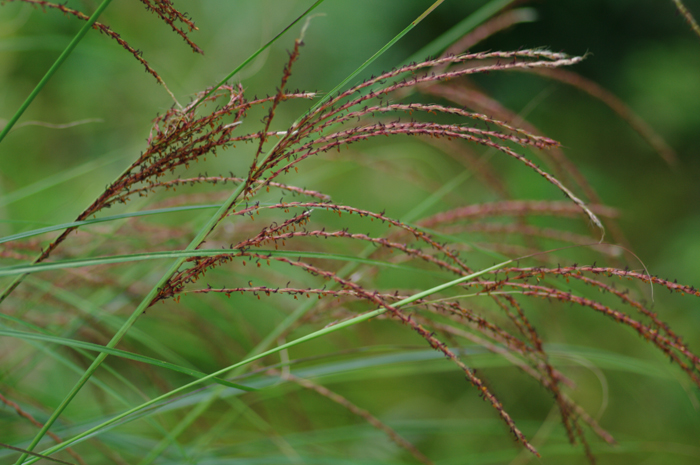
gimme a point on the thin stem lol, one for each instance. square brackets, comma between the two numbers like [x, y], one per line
[254, 55]
[322, 332]
[371, 59]
[688, 17]
[59, 61]
[204, 231]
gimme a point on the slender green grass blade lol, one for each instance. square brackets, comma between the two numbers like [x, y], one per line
[105, 219]
[204, 231]
[407, 361]
[116, 352]
[309, 337]
[411, 216]
[107, 388]
[211, 224]
[434, 48]
[465, 26]
[258, 52]
[55, 180]
[374, 57]
[182, 254]
[27, 452]
[92, 308]
[57, 64]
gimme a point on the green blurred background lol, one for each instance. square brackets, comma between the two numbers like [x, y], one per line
[641, 51]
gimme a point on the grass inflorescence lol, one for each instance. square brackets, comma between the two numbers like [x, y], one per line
[326, 257]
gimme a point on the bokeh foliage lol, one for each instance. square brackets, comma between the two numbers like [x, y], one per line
[641, 51]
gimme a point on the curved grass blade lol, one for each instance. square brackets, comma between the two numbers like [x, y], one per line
[45, 457]
[55, 180]
[409, 361]
[60, 227]
[108, 389]
[116, 352]
[224, 371]
[7, 128]
[132, 319]
[92, 308]
[57, 64]
[183, 254]
[210, 225]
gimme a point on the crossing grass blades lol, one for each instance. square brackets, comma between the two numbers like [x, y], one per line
[280, 245]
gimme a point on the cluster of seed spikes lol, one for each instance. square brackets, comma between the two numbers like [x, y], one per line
[181, 137]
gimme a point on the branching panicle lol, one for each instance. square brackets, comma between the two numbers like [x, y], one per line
[270, 234]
